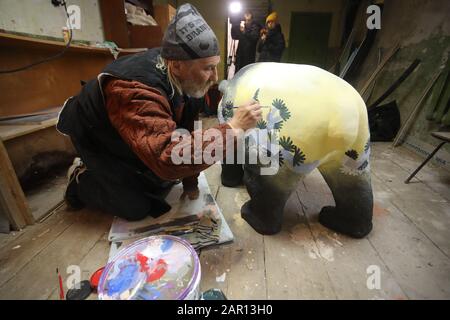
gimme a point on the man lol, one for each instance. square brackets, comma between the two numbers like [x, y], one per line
[121, 124]
[247, 34]
[271, 43]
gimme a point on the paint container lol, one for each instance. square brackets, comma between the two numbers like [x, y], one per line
[154, 268]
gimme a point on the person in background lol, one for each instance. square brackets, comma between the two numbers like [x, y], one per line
[271, 43]
[247, 34]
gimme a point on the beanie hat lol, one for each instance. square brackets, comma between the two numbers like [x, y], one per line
[272, 17]
[188, 36]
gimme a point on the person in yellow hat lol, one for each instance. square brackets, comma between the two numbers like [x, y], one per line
[271, 43]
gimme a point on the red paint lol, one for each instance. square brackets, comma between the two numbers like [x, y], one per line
[142, 261]
[95, 278]
[158, 271]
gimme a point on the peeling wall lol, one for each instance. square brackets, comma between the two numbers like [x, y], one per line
[422, 27]
[40, 17]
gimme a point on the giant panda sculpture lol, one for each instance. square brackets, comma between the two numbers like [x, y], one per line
[318, 121]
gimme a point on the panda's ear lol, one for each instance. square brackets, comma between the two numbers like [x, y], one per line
[223, 86]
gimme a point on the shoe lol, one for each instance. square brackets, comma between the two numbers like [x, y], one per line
[73, 175]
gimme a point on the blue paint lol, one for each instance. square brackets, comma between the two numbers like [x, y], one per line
[149, 292]
[166, 245]
[123, 280]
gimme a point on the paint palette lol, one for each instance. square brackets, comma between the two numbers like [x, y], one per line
[154, 268]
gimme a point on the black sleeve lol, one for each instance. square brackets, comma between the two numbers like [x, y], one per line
[259, 45]
[275, 43]
[252, 33]
[235, 32]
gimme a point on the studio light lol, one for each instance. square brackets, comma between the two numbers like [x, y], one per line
[235, 7]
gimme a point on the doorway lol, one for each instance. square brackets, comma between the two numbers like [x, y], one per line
[308, 38]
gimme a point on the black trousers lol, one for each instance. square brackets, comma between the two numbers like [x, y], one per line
[120, 188]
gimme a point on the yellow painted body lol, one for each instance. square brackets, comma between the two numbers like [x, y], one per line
[328, 116]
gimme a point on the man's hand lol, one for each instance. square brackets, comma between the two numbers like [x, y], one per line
[242, 26]
[192, 194]
[246, 116]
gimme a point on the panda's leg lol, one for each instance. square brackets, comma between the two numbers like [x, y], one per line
[231, 175]
[354, 201]
[268, 196]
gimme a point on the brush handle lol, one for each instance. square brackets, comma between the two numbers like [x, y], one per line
[262, 107]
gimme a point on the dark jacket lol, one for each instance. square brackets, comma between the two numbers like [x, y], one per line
[246, 50]
[124, 119]
[272, 48]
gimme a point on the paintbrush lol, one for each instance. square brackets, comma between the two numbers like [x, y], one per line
[61, 289]
[260, 106]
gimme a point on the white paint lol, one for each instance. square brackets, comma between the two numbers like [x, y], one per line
[222, 277]
[300, 235]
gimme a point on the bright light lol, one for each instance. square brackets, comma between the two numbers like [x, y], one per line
[235, 7]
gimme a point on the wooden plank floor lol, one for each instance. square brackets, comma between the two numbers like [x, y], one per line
[410, 243]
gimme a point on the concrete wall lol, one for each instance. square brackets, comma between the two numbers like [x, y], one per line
[422, 27]
[40, 17]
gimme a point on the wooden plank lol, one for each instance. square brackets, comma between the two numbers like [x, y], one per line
[31, 114]
[47, 197]
[115, 26]
[8, 132]
[347, 260]
[9, 40]
[26, 151]
[394, 175]
[419, 267]
[433, 176]
[12, 199]
[63, 77]
[69, 248]
[432, 218]
[406, 125]
[96, 258]
[379, 68]
[293, 267]
[17, 253]
[37, 119]
[6, 238]
[240, 264]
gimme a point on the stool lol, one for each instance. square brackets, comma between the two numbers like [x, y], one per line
[445, 137]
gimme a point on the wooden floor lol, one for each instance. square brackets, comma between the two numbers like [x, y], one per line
[410, 243]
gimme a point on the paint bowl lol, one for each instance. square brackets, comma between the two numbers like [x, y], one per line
[154, 268]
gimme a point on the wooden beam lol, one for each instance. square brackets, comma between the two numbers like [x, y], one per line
[12, 199]
[408, 122]
[378, 69]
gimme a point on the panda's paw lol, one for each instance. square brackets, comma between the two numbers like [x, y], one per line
[330, 218]
[260, 226]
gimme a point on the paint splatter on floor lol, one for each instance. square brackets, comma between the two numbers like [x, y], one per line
[379, 210]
